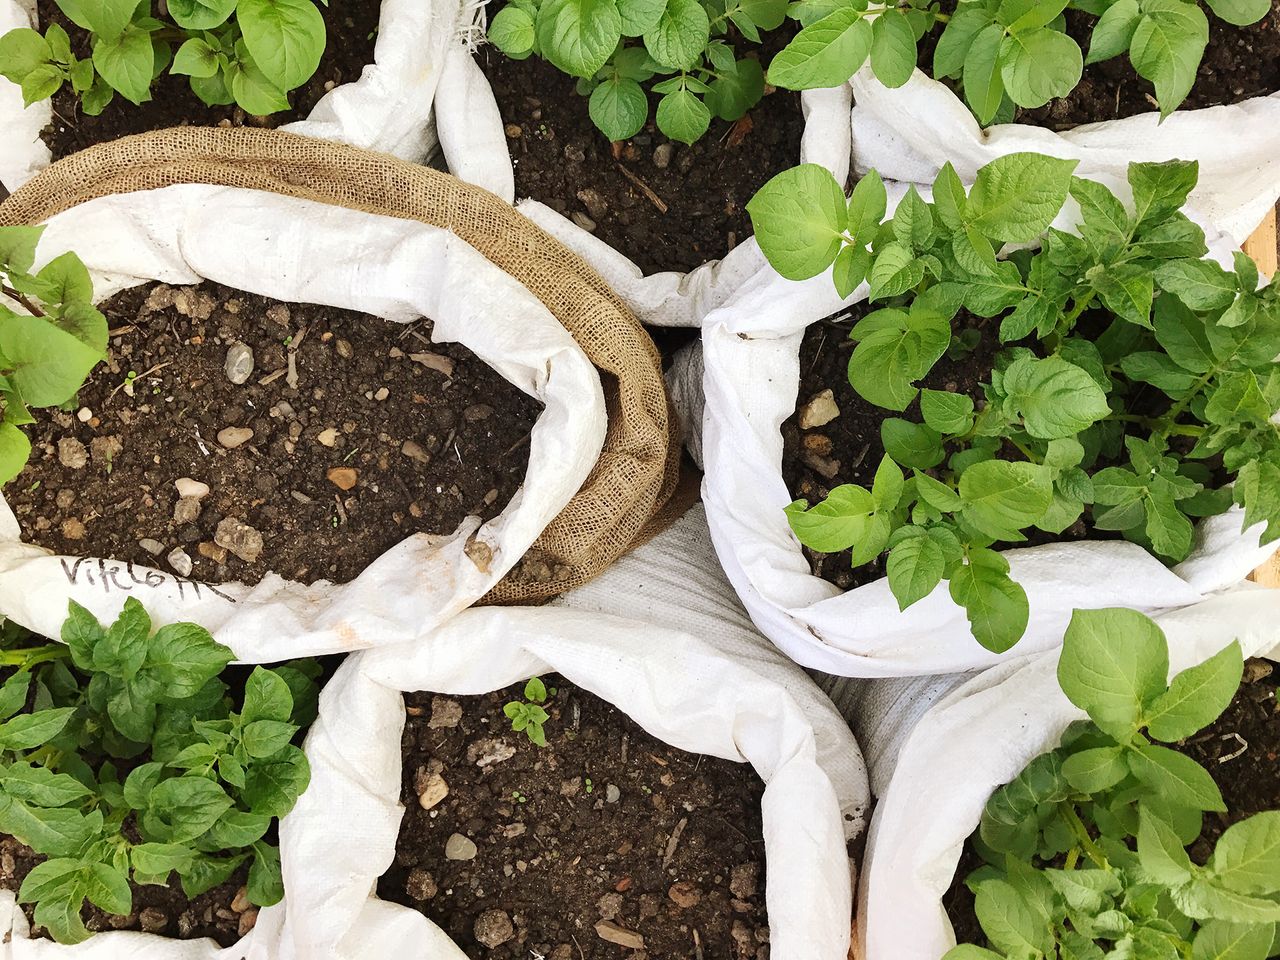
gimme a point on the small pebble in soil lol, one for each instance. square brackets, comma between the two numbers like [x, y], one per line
[84, 414]
[240, 538]
[420, 885]
[493, 928]
[72, 453]
[614, 933]
[186, 510]
[153, 547]
[187, 487]
[327, 437]
[344, 478]
[444, 713]
[820, 410]
[180, 561]
[434, 789]
[458, 847]
[239, 363]
[232, 437]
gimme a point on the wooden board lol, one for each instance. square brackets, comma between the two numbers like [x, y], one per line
[1262, 247]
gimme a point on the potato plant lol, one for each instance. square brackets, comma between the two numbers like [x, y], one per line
[615, 46]
[1134, 387]
[1086, 851]
[247, 52]
[50, 345]
[1004, 53]
[124, 758]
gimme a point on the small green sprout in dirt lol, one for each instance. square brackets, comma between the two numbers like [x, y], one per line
[247, 52]
[47, 350]
[124, 759]
[1133, 386]
[1086, 849]
[1004, 54]
[615, 46]
[528, 714]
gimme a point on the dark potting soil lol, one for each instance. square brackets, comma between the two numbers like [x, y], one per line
[1240, 750]
[847, 449]
[351, 30]
[1239, 63]
[603, 839]
[665, 205]
[223, 913]
[350, 434]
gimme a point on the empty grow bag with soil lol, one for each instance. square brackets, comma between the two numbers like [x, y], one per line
[265, 439]
[616, 831]
[577, 526]
[373, 88]
[984, 733]
[772, 434]
[1230, 122]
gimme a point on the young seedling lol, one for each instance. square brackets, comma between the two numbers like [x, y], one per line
[1086, 851]
[690, 43]
[1160, 414]
[123, 758]
[528, 714]
[48, 347]
[247, 52]
[1004, 53]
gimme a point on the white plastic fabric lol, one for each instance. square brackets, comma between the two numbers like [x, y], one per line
[692, 672]
[387, 109]
[980, 737]
[300, 251]
[908, 133]
[750, 349]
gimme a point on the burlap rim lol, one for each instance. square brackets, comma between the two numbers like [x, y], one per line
[622, 501]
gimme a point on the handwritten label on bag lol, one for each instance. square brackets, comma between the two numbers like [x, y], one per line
[108, 574]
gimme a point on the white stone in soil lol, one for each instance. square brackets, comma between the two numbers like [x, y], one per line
[239, 363]
[458, 847]
[191, 488]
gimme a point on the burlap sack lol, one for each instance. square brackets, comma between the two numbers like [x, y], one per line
[622, 501]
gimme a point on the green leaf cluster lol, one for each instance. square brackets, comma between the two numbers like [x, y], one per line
[1153, 413]
[123, 758]
[529, 715]
[616, 46]
[48, 348]
[1003, 54]
[1085, 851]
[247, 52]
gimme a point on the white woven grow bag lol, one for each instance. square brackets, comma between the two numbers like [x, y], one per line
[388, 109]
[751, 349]
[692, 673]
[908, 134]
[981, 736]
[475, 149]
[299, 250]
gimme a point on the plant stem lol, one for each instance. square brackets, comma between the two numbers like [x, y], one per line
[13, 294]
[1077, 826]
[24, 658]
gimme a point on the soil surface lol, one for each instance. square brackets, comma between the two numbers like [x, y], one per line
[602, 840]
[350, 434]
[223, 913]
[351, 27]
[562, 160]
[1240, 750]
[1239, 63]
[847, 449]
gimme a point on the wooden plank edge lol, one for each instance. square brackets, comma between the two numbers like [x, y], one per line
[1261, 245]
